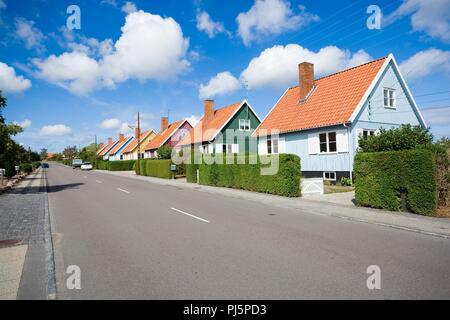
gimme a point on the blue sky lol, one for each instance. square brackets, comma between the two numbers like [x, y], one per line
[160, 57]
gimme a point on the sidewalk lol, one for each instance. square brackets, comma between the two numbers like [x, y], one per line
[399, 220]
[23, 244]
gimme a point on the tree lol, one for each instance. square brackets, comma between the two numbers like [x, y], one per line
[164, 152]
[70, 152]
[43, 154]
[11, 153]
[404, 137]
[88, 153]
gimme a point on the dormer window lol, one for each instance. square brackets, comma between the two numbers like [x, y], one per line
[389, 97]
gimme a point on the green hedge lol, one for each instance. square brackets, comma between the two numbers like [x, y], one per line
[101, 164]
[286, 182]
[26, 167]
[396, 180]
[122, 165]
[156, 168]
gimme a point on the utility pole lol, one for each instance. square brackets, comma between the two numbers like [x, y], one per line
[138, 166]
[95, 155]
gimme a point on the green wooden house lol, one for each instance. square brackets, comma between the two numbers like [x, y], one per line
[225, 130]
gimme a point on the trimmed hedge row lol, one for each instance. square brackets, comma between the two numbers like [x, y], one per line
[156, 168]
[123, 165]
[396, 180]
[285, 182]
[101, 164]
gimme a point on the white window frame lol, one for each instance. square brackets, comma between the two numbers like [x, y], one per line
[327, 135]
[243, 124]
[274, 145]
[329, 172]
[230, 148]
[370, 132]
[389, 96]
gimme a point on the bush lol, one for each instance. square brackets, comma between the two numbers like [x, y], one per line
[345, 181]
[102, 164]
[405, 137]
[156, 168]
[286, 182]
[123, 165]
[164, 152]
[396, 180]
[26, 167]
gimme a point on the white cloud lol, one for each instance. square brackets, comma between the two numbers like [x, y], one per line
[277, 66]
[437, 116]
[109, 2]
[150, 47]
[110, 124]
[129, 7]
[211, 27]
[24, 124]
[193, 120]
[268, 17]
[10, 82]
[222, 83]
[74, 71]
[2, 4]
[56, 130]
[431, 17]
[30, 35]
[426, 62]
[124, 127]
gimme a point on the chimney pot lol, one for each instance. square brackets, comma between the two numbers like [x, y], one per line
[110, 140]
[164, 123]
[208, 110]
[306, 79]
[121, 137]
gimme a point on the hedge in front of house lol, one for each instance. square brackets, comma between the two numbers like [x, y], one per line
[122, 165]
[191, 172]
[26, 167]
[383, 179]
[102, 164]
[285, 182]
[156, 168]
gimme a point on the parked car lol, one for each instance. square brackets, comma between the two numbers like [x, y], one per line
[76, 163]
[45, 165]
[86, 166]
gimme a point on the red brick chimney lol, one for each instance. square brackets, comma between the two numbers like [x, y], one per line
[109, 140]
[121, 137]
[208, 111]
[306, 79]
[164, 123]
[136, 133]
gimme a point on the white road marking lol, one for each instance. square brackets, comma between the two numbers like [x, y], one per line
[98, 181]
[123, 190]
[190, 215]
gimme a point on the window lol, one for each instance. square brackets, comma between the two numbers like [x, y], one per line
[206, 148]
[121, 157]
[367, 133]
[389, 97]
[272, 145]
[244, 124]
[230, 148]
[330, 176]
[327, 142]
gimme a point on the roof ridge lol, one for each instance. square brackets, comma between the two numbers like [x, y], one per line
[345, 70]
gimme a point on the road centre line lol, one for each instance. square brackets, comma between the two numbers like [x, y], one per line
[123, 190]
[190, 215]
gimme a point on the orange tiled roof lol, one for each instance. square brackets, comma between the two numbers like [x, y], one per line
[133, 144]
[119, 145]
[101, 146]
[107, 148]
[332, 102]
[161, 137]
[206, 132]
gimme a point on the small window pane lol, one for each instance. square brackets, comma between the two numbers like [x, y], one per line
[332, 142]
[275, 146]
[269, 146]
[323, 142]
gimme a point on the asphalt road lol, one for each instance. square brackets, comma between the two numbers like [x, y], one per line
[137, 240]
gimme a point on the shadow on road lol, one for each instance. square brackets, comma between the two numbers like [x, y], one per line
[51, 189]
